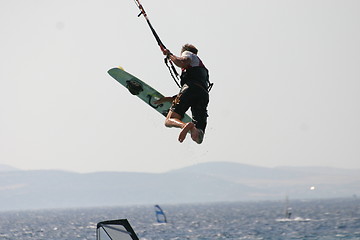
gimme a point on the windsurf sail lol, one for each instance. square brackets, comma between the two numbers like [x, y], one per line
[287, 209]
[115, 230]
[160, 215]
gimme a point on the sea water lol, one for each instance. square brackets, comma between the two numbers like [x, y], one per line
[315, 219]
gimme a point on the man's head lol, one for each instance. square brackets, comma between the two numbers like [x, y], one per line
[190, 48]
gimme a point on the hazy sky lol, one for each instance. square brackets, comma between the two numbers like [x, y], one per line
[286, 74]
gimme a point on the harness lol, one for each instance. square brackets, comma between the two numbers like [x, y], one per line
[198, 75]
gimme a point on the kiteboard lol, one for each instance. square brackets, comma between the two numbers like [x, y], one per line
[143, 91]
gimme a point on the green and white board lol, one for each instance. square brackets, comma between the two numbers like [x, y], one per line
[143, 91]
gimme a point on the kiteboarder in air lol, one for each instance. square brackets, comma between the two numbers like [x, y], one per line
[194, 94]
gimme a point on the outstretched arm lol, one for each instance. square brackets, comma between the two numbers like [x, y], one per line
[181, 62]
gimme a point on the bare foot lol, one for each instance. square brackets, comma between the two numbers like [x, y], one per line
[197, 135]
[188, 127]
[194, 134]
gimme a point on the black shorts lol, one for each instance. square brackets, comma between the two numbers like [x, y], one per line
[196, 98]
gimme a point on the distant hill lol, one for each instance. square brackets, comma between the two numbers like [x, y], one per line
[7, 168]
[207, 182]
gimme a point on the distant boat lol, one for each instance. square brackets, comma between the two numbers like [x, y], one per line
[287, 209]
[160, 215]
[115, 230]
[288, 214]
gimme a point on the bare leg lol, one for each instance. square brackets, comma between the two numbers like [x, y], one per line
[174, 120]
